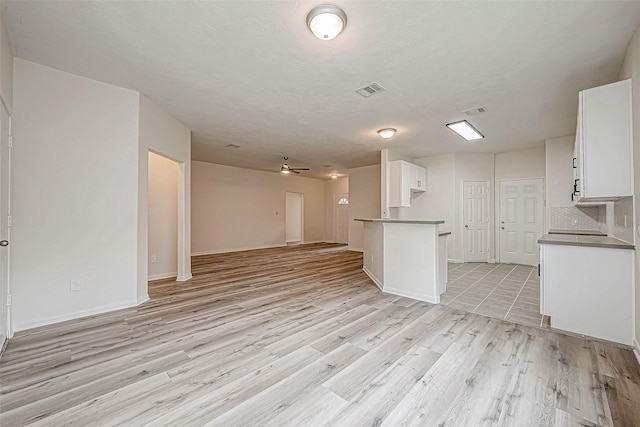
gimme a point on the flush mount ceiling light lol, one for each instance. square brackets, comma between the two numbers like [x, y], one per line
[465, 130]
[326, 21]
[334, 176]
[387, 133]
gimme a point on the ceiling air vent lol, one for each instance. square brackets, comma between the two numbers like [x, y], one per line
[475, 111]
[234, 146]
[369, 90]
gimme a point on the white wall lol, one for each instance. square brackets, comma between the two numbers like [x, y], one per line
[558, 174]
[163, 217]
[333, 186]
[75, 166]
[6, 67]
[293, 217]
[162, 134]
[520, 164]
[438, 201]
[631, 69]
[236, 209]
[364, 201]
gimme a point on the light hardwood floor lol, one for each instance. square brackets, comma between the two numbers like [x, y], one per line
[299, 336]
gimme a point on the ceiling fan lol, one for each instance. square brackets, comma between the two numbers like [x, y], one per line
[285, 168]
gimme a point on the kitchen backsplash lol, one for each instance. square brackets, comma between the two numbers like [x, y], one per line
[584, 218]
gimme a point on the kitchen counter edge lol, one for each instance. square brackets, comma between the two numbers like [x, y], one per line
[581, 240]
[399, 221]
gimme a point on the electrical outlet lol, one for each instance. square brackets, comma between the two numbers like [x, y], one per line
[74, 286]
[154, 258]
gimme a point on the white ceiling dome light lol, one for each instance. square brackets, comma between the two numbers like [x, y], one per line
[326, 21]
[387, 133]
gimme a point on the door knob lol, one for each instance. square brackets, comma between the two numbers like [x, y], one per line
[4, 243]
[466, 226]
[502, 228]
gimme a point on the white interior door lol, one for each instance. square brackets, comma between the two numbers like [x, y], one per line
[475, 220]
[521, 220]
[5, 176]
[341, 218]
[293, 217]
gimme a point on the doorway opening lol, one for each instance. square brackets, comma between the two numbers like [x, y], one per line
[294, 218]
[521, 220]
[163, 176]
[341, 218]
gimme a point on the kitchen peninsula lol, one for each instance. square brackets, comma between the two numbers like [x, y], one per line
[406, 257]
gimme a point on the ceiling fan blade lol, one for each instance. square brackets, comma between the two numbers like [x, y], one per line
[298, 169]
[293, 171]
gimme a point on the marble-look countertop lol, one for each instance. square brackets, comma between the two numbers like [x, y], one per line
[582, 240]
[399, 221]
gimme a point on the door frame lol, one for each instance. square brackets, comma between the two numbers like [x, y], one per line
[462, 233]
[9, 306]
[497, 202]
[286, 218]
[336, 197]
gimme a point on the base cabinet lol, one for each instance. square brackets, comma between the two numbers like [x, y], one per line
[588, 290]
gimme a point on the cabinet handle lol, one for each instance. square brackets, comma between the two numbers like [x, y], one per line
[572, 194]
[574, 163]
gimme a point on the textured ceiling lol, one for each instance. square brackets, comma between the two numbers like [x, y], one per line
[253, 75]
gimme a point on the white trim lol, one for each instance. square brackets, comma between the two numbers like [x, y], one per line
[247, 248]
[636, 350]
[492, 261]
[351, 248]
[455, 261]
[372, 277]
[143, 298]
[314, 242]
[412, 295]
[75, 315]
[162, 276]
[184, 278]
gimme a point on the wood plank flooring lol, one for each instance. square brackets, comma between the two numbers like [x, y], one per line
[299, 336]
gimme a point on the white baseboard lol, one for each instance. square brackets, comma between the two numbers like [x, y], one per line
[162, 276]
[372, 277]
[412, 295]
[143, 298]
[351, 248]
[184, 278]
[455, 261]
[636, 350]
[247, 248]
[75, 315]
[492, 261]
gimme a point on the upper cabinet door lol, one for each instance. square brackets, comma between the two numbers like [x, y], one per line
[604, 143]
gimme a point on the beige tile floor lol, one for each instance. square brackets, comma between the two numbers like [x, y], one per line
[504, 291]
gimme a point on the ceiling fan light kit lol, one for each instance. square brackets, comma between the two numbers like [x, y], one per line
[286, 169]
[326, 21]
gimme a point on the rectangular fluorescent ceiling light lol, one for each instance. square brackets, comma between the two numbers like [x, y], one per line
[465, 130]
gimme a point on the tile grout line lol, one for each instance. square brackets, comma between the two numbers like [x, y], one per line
[503, 279]
[474, 283]
[516, 298]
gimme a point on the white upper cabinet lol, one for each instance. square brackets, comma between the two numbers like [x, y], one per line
[404, 177]
[604, 147]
